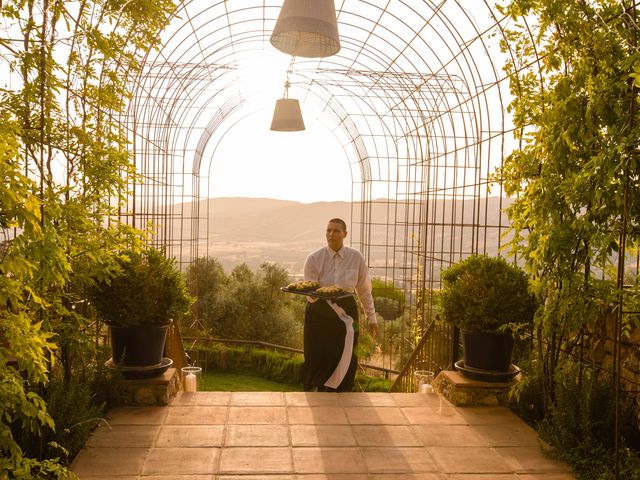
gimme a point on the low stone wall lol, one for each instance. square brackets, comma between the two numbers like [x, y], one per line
[465, 392]
[159, 390]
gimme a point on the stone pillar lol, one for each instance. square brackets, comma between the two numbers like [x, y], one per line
[465, 392]
[159, 390]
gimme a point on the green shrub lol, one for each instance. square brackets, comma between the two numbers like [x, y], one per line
[581, 425]
[273, 365]
[486, 294]
[75, 415]
[366, 383]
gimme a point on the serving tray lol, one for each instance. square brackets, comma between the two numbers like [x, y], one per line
[313, 294]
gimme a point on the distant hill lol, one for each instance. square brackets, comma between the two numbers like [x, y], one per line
[255, 230]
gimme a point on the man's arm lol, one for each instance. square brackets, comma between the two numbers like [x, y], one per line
[311, 272]
[363, 288]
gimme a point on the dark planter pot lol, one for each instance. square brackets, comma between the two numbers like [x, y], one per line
[138, 345]
[487, 351]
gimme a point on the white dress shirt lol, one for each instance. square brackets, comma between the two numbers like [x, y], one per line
[346, 269]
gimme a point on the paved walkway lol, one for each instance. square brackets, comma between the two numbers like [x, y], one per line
[314, 436]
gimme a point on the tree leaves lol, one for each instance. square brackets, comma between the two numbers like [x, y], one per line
[574, 80]
[65, 169]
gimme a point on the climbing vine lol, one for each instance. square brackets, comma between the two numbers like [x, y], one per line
[65, 169]
[574, 79]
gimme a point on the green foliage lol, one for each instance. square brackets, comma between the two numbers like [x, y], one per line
[75, 415]
[573, 76]
[283, 368]
[366, 383]
[147, 289]
[65, 169]
[246, 305]
[269, 364]
[581, 425]
[486, 294]
[217, 380]
[389, 300]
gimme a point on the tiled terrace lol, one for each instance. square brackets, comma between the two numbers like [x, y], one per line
[315, 436]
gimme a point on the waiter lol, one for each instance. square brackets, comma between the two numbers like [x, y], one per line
[331, 326]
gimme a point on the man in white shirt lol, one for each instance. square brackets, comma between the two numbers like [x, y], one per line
[331, 326]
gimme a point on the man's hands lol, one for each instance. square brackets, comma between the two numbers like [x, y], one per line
[373, 329]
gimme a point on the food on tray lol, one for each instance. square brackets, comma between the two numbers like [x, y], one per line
[303, 286]
[329, 290]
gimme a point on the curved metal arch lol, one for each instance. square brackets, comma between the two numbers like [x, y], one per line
[415, 100]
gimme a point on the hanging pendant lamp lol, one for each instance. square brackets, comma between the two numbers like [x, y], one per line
[307, 28]
[287, 116]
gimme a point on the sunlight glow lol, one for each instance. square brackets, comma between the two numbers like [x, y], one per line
[307, 166]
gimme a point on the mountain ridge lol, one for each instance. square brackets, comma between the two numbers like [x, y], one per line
[257, 230]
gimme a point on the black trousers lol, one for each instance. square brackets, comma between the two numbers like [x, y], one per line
[324, 335]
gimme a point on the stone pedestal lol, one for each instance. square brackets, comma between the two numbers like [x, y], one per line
[159, 390]
[463, 391]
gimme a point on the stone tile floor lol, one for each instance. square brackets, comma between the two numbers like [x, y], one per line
[314, 436]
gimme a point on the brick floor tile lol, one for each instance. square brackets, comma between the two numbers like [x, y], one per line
[174, 477]
[487, 415]
[257, 436]
[318, 415]
[196, 415]
[202, 398]
[254, 477]
[314, 436]
[257, 415]
[476, 460]
[109, 461]
[332, 476]
[530, 460]
[406, 476]
[513, 434]
[449, 436]
[419, 399]
[434, 416]
[137, 415]
[123, 436]
[257, 398]
[256, 460]
[322, 436]
[190, 436]
[547, 476]
[375, 415]
[305, 399]
[399, 460]
[328, 460]
[385, 435]
[181, 461]
[481, 476]
[371, 399]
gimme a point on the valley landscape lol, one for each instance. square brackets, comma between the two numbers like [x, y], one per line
[238, 230]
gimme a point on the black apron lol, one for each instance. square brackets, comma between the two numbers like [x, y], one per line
[324, 343]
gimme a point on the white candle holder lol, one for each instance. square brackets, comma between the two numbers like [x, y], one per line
[423, 379]
[191, 377]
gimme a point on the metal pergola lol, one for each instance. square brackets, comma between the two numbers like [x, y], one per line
[416, 97]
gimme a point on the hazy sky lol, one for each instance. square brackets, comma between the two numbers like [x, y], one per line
[306, 166]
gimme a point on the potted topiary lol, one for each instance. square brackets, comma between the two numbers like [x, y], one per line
[138, 304]
[488, 299]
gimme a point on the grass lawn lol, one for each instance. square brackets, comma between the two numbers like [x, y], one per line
[233, 382]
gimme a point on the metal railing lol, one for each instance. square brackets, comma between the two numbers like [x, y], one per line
[432, 353]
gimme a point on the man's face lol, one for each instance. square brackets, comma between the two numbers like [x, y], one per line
[335, 236]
